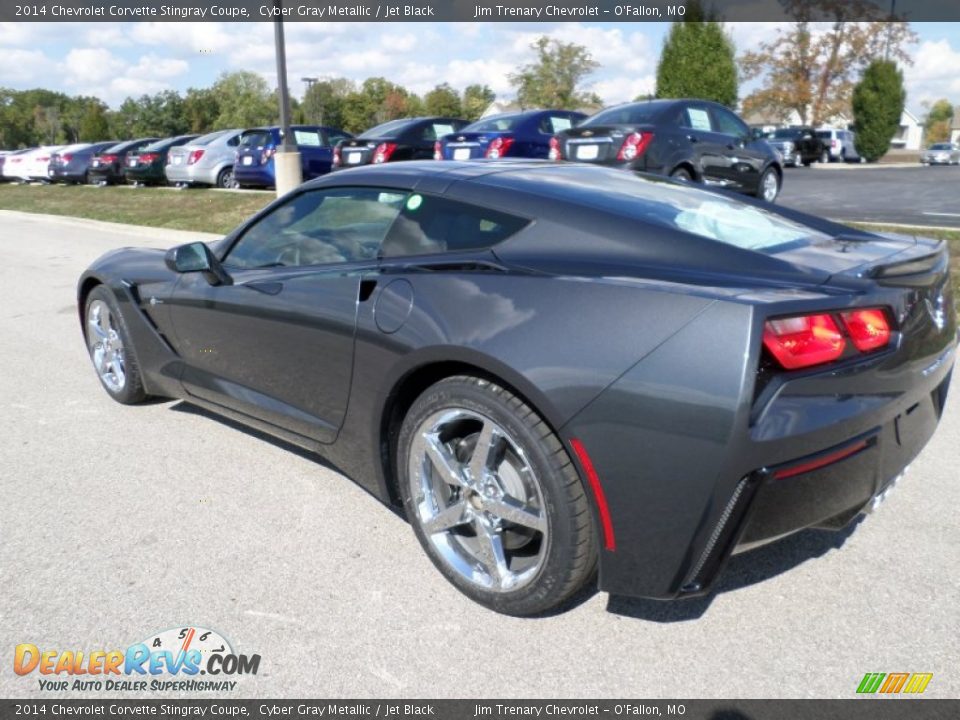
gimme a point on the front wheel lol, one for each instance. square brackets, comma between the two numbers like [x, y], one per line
[769, 185]
[493, 497]
[111, 351]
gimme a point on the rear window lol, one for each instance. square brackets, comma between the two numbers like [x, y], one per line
[158, 145]
[941, 146]
[387, 129]
[626, 115]
[429, 224]
[502, 123]
[256, 138]
[785, 133]
[208, 138]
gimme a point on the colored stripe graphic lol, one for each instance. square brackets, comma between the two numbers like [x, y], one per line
[870, 682]
[894, 683]
[918, 682]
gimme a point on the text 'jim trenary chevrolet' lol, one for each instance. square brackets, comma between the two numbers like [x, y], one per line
[558, 371]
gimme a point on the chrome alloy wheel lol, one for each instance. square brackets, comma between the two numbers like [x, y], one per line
[477, 500]
[771, 187]
[106, 346]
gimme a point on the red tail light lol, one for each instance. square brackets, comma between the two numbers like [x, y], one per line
[266, 155]
[43, 158]
[195, 156]
[148, 157]
[499, 147]
[634, 145]
[869, 329]
[383, 152]
[337, 159]
[556, 152]
[799, 342]
[108, 158]
[66, 158]
[834, 143]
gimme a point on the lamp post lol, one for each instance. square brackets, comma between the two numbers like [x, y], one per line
[311, 108]
[287, 157]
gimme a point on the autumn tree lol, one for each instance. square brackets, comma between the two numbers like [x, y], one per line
[375, 102]
[878, 101]
[698, 60]
[554, 80]
[812, 64]
[325, 101]
[244, 99]
[936, 126]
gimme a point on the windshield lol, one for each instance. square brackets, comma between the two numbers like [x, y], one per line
[387, 129]
[626, 115]
[501, 123]
[941, 146]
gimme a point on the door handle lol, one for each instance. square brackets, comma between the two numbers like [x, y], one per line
[692, 138]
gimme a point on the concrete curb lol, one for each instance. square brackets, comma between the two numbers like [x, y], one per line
[864, 166]
[176, 237]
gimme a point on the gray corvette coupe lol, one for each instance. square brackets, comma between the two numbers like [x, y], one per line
[560, 373]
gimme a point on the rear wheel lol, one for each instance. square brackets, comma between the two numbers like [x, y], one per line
[225, 178]
[110, 348]
[682, 174]
[494, 498]
[825, 156]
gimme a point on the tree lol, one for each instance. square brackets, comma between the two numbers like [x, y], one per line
[201, 110]
[698, 61]
[375, 102]
[476, 99]
[324, 101]
[244, 99]
[937, 124]
[553, 81]
[813, 71]
[878, 101]
[94, 125]
[442, 100]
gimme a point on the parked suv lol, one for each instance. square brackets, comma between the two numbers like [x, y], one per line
[799, 145]
[840, 145]
[208, 160]
[691, 140]
[254, 166]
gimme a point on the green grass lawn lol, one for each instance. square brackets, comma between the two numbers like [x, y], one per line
[199, 210]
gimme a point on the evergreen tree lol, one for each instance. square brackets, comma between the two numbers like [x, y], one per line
[698, 61]
[878, 101]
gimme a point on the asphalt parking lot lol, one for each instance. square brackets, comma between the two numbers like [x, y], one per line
[913, 195]
[118, 522]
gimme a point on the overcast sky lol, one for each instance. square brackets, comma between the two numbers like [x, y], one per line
[114, 60]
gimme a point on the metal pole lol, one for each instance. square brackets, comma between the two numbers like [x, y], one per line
[311, 108]
[287, 159]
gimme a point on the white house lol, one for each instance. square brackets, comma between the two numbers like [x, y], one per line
[955, 126]
[910, 133]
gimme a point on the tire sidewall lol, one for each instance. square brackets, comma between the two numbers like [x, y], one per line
[132, 391]
[535, 596]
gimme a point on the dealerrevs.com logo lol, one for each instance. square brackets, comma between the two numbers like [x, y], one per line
[172, 660]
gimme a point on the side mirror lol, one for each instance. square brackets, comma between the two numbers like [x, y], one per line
[197, 257]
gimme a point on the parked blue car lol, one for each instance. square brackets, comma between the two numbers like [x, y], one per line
[520, 134]
[74, 167]
[254, 166]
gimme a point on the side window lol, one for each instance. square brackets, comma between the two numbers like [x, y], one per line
[730, 124]
[429, 224]
[319, 227]
[696, 118]
[234, 141]
[334, 137]
[307, 138]
[553, 124]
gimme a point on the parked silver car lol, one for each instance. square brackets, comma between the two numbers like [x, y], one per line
[941, 154]
[208, 160]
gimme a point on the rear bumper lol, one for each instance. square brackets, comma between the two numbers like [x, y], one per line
[191, 174]
[66, 175]
[145, 175]
[259, 176]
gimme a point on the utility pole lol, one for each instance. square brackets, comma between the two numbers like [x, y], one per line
[311, 81]
[893, 7]
[287, 158]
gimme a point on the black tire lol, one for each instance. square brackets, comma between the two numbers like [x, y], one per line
[682, 174]
[567, 550]
[825, 157]
[132, 391]
[225, 178]
[762, 185]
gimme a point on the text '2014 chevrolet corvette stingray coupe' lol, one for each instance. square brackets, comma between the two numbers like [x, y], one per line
[557, 371]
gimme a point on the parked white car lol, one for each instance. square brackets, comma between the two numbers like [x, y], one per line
[34, 164]
[941, 154]
[12, 163]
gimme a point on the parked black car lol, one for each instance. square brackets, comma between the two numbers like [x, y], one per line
[403, 139]
[108, 167]
[553, 368]
[146, 166]
[799, 145]
[692, 140]
[74, 167]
